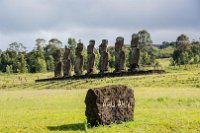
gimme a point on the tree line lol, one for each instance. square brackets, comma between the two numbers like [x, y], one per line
[16, 59]
[186, 52]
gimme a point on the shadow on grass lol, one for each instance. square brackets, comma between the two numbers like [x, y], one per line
[67, 127]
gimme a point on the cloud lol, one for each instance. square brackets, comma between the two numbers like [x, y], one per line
[24, 21]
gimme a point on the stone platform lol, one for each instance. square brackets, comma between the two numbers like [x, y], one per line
[120, 74]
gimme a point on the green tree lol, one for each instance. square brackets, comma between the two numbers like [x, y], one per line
[50, 63]
[147, 51]
[182, 53]
[72, 45]
[56, 42]
[196, 59]
[8, 58]
[36, 59]
[40, 65]
[22, 64]
[111, 52]
[145, 59]
[50, 51]
[18, 47]
[97, 57]
[9, 69]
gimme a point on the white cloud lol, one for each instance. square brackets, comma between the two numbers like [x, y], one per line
[26, 20]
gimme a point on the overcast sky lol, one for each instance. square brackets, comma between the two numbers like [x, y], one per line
[25, 20]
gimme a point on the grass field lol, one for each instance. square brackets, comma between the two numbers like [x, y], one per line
[164, 103]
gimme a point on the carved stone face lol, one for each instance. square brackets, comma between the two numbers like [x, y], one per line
[79, 48]
[120, 40]
[135, 40]
[90, 47]
[119, 43]
[104, 45]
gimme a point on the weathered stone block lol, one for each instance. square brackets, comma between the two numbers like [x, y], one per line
[110, 104]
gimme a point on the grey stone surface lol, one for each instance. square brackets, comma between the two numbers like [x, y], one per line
[119, 55]
[91, 57]
[135, 53]
[109, 104]
[58, 64]
[78, 69]
[67, 63]
[103, 64]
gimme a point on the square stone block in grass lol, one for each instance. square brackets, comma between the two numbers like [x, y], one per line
[109, 104]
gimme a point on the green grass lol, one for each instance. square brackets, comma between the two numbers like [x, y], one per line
[164, 103]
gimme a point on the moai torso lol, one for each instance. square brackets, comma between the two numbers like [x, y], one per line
[135, 53]
[103, 64]
[119, 55]
[67, 63]
[58, 64]
[78, 69]
[91, 57]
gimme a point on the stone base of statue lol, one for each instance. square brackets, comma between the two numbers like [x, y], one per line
[133, 68]
[110, 104]
[106, 74]
[58, 70]
[90, 71]
[119, 71]
[103, 72]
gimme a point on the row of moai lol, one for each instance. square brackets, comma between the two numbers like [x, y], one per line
[63, 68]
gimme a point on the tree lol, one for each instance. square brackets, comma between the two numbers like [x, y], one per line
[111, 51]
[1, 52]
[147, 51]
[56, 42]
[182, 53]
[50, 51]
[145, 59]
[9, 69]
[40, 65]
[50, 63]
[72, 45]
[196, 59]
[18, 47]
[41, 42]
[9, 58]
[31, 56]
[144, 39]
[97, 57]
[22, 64]
[36, 59]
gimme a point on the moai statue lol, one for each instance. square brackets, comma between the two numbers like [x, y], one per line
[135, 53]
[67, 63]
[103, 64]
[91, 57]
[59, 65]
[119, 55]
[78, 69]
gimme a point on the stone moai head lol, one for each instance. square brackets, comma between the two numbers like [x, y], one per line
[104, 45]
[134, 41]
[119, 43]
[90, 47]
[67, 52]
[79, 48]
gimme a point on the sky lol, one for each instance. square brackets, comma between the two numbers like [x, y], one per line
[24, 21]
